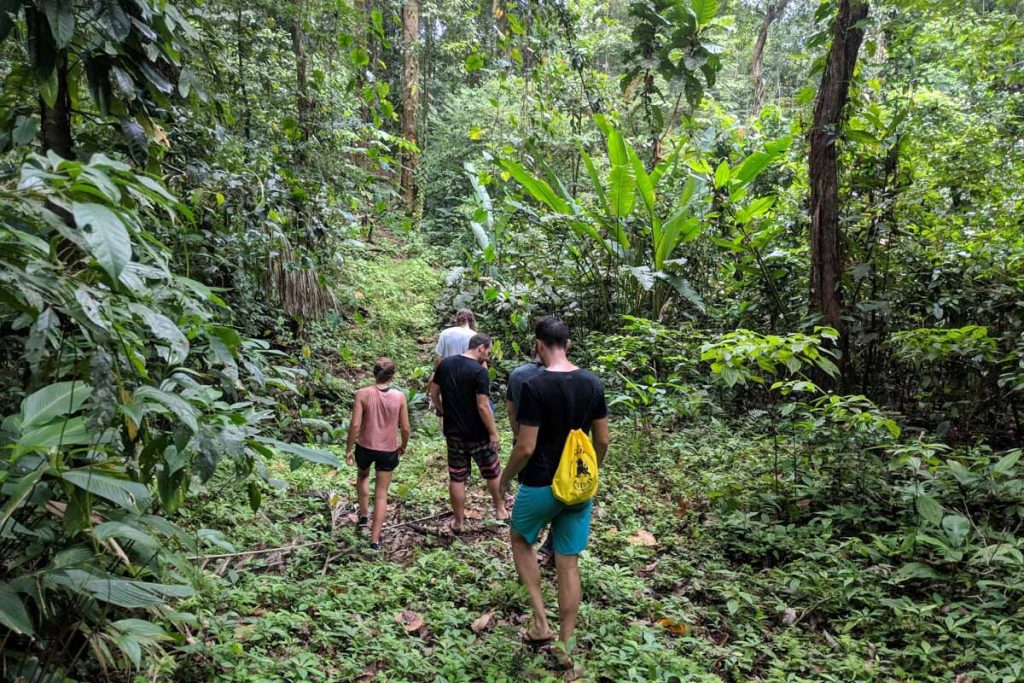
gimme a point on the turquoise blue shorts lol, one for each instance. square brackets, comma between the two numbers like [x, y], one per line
[570, 524]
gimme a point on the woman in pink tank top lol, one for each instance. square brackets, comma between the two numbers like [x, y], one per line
[378, 414]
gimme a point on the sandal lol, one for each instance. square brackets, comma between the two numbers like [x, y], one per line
[525, 635]
[564, 663]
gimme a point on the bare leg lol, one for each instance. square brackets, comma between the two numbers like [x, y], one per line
[529, 574]
[380, 504]
[457, 491]
[494, 486]
[363, 491]
[567, 569]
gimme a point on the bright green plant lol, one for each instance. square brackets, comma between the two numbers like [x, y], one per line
[135, 395]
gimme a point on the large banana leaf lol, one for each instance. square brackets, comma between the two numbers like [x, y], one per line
[537, 188]
[621, 177]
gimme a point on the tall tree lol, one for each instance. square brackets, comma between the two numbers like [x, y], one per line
[410, 100]
[826, 240]
[772, 12]
[304, 103]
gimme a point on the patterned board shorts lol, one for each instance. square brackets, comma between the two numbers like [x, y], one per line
[460, 453]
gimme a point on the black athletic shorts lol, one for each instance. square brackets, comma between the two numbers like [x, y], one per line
[385, 461]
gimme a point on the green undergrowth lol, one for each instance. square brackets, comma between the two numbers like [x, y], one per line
[688, 578]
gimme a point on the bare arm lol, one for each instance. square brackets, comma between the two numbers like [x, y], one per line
[483, 406]
[403, 425]
[435, 396]
[599, 432]
[511, 410]
[354, 428]
[526, 443]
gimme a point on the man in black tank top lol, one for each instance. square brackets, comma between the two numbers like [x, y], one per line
[561, 398]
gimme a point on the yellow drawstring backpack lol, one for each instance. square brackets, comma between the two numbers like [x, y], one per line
[576, 477]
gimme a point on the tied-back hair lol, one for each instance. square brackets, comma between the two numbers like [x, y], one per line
[464, 316]
[479, 339]
[384, 369]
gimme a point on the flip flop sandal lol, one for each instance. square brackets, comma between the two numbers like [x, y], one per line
[564, 663]
[525, 635]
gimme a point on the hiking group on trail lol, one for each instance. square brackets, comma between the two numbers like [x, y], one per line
[559, 420]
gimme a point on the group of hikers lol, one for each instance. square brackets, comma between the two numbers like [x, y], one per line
[546, 400]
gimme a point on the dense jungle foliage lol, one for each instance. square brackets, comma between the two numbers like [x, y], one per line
[786, 234]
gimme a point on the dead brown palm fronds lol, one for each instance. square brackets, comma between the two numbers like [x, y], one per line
[298, 288]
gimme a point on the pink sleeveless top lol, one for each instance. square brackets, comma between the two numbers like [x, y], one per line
[380, 419]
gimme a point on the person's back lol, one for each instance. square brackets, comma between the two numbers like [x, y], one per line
[561, 398]
[556, 403]
[381, 410]
[453, 341]
[516, 379]
[461, 379]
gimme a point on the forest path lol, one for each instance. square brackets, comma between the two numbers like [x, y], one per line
[430, 605]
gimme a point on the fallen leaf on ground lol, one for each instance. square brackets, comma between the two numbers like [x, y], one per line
[671, 626]
[649, 568]
[410, 621]
[482, 622]
[474, 514]
[643, 538]
[789, 616]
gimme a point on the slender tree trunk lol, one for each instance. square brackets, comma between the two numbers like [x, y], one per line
[410, 99]
[56, 120]
[826, 240]
[304, 104]
[772, 13]
[428, 60]
[55, 129]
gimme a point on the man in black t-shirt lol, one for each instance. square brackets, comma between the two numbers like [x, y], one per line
[561, 398]
[461, 389]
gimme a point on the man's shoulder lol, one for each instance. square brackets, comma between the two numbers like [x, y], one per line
[527, 370]
[592, 378]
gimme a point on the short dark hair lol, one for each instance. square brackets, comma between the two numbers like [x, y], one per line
[384, 369]
[465, 316]
[479, 339]
[553, 331]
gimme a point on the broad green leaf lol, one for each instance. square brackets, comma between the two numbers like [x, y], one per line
[60, 14]
[704, 11]
[643, 183]
[17, 492]
[721, 175]
[13, 614]
[122, 530]
[107, 237]
[310, 454]
[684, 289]
[127, 494]
[474, 62]
[957, 527]
[929, 508]
[115, 590]
[55, 400]
[621, 191]
[165, 330]
[538, 188]
[177, 405]
[595, 181]
[62, 433]
[1006, 463]
[618, 152]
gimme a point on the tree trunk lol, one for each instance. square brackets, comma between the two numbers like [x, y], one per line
[55, 129]
[304, 104]
[826, 240]
[410, 99]
[56, 120]
[772, 13]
